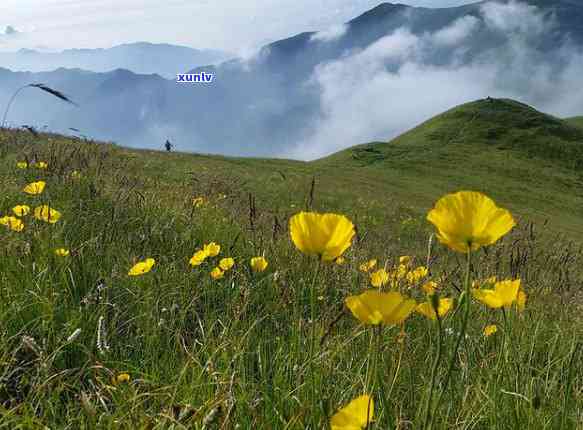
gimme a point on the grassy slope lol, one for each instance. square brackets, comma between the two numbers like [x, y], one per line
[192, 344]
[576, 121]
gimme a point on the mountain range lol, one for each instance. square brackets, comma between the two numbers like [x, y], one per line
[315, 93]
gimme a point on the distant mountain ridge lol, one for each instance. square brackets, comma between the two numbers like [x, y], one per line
[274, 103]
[141, 58]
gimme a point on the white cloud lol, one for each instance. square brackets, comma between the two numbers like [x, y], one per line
[366, 96]
[334, 32]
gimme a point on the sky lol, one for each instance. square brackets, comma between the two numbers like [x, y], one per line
[235, 26]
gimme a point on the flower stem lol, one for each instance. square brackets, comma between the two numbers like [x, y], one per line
[462, 332]
[313, 331]
[428, 421]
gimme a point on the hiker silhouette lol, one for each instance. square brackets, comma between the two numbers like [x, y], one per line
[168, 146]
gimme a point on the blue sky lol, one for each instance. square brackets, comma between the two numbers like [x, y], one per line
[233, 25]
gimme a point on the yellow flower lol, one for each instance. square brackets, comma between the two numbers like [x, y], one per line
[521, 300]
[22, 165]
[369, 265]
[379, 278]
[489, 330]
[75, 174]
[504, 294]
[401, 272]
[212, 249]
[41, 165]
[217, 273]
[142, 267]
[198, 202]
[324, 235]
[430, 287]
[35, 187]
[226, 263]
[12, 223]
[121, 378]
[469, 220]
[62, 252]
[427, 309]
[374, 307]
[340, 261]
[258, 264]
[354, 416]
[405, 260]
[198, 258]
[47, 214]
[21, 210]
[417, 274]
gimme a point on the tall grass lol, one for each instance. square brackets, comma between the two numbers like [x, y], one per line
[237, 353]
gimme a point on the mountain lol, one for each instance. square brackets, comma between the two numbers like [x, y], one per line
[314, 93]
[142, 58]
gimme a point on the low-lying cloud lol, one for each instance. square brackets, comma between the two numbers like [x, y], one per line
[397, 83]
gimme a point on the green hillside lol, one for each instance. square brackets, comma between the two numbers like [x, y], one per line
[577, 121]
[90, 342]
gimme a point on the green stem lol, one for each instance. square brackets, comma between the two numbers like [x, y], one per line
[313, 331]
[428, 421]
[462, 333]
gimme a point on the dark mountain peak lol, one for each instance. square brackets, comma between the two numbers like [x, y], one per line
[380, 12]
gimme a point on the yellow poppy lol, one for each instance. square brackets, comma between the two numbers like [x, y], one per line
[217, 273]
[198, 258]
[12, 223]
[504, 294]
[379, 278]
[369, 265]
[430, 287]
[354, 416]
[489, 330]
[258, 264]
[47, 214]
[340, 261]
[416, 275]
[198, 202]
[142, 267]
[405, 260]
[374, 307]
[41, 165]
[121, 379]
[226, 264]
[212, 249]
[469, 220]
[62, 252]
[324, 235]
[35, 188]
[21, 210]
[22, 165]
[427, 309]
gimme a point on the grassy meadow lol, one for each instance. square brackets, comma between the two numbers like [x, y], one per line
[85, 345]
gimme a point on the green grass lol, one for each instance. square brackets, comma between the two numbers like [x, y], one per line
[577, 121]
[216, 354]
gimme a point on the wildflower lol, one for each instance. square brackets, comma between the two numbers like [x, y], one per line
[340, 261]
[62, 252]
[22, 164]
[35, 188]
[226, 264]
[258, 264]
[121, 379]
[468, 220]
[401, 272]
[369, 265]
[12, 223]
[75, 174]
[503, 295]
[21, 210]
[428, 310]
[489, 330]
[142, 267]
[217, 273]
[379, 278]
[416, 275]
[47, 214]
[374, 307]
[324, 235]
[41, 165]
[354, 416]
[430, 287]
[198, 202]
[198, 258]
[212, 249]
[405, 260]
